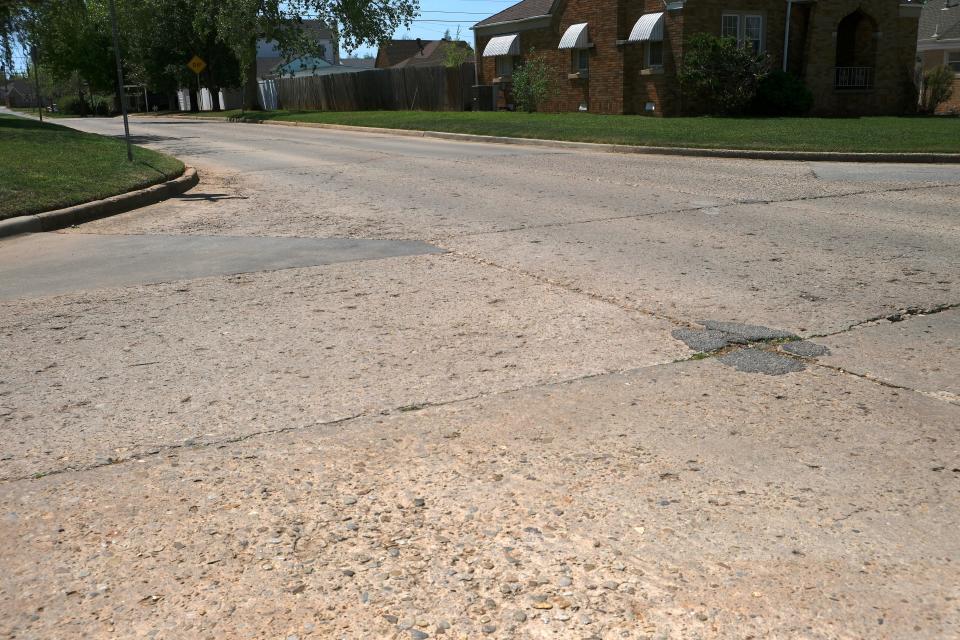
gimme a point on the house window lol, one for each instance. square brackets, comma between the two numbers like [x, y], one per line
[654, 54]
[580, 60]
[504, 66]
[746, 29]
[953, 61]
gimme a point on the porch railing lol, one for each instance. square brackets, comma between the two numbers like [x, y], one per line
[853, 78]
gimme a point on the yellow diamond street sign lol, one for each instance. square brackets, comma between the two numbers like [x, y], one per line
[197, 64]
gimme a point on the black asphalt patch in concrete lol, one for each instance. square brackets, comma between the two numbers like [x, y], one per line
[759, 361]
[719, 335]
[747, 332]
[53, 263]
[805, 349]
[702, 341]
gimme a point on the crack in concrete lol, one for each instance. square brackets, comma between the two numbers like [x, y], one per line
[942, 396]
[567, 287]
[735, 203]
[204, 444]
[897, 316]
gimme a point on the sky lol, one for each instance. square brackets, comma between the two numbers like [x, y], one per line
[436, 17]
[439, 15]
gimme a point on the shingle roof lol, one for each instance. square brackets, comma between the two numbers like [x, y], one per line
[520, 11]
[393, 51]
[935, 20]
[433, 54]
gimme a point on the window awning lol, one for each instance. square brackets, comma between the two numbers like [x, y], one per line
[649, 28]
[575, 37]
[503, 46]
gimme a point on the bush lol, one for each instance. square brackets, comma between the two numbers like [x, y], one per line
[72, 105]
[101, 105]
[718, 76]
[782, 94]
[532, 83]
[937, 87]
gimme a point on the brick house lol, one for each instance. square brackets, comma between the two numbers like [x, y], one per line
[939, 43]
[621, 56]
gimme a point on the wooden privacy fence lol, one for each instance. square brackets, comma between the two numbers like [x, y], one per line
[406, 88]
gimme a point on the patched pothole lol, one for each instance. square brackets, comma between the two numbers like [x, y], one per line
[749, 347]
[752, 360]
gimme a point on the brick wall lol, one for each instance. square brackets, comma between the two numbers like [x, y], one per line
[619, 84]
[932, 59]
[641, 86]
[893, 67]
[602, 91]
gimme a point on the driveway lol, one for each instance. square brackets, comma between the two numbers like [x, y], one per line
[367, 386]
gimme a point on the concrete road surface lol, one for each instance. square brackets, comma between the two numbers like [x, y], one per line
[365, 386]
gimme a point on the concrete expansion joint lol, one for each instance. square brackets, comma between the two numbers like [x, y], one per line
[941, 395]
[192, 443]
[900, 315]
[573, 289]
[865, 192]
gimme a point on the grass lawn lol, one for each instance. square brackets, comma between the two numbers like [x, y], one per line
[47, 166]
[46, 114]
[793, 134]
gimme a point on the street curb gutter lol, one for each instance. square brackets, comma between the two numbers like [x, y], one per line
[78, 214]
[747, 154]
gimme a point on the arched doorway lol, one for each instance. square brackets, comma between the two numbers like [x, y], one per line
[856, 51]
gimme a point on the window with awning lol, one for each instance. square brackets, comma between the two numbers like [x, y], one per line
[503, 46]
[575, 37]
[649, 28]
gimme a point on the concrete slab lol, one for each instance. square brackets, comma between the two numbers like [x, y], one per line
[681, 501]
[806, 272]
[104, 374]
[55, 263]
[919, 352]
[864, 172]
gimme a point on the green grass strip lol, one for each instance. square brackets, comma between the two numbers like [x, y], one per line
[47, 166]
[879, 135]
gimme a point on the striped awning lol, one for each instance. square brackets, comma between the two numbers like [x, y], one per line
[649, 28]
[503, 46]
[575, 37]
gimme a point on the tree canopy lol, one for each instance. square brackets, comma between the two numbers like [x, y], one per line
[72, 38]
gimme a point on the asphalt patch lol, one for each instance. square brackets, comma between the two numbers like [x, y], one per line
[759, 361]
[805, 349]
[747, 332]
[703, 341]
[55, 263]
[719, 335]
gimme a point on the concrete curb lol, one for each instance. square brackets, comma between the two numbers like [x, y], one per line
[78, 214]
[747, 154]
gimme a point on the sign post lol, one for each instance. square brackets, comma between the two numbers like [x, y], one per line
[197, 65]
[122, 92]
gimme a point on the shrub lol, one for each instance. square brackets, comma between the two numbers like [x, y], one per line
[72, 105]
[532, 83]
[101, 105]
[937, 87]
[782, 94]
[718, 76]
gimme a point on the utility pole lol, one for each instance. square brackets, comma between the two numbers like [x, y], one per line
[36, 78]
[116, 55]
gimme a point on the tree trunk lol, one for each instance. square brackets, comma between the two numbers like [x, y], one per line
[251, 93]
[194, 100]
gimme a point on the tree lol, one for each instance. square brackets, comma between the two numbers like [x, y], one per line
[160, 36]
[454, 52]
[532, 82]
[720, 77]
[240, 23]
